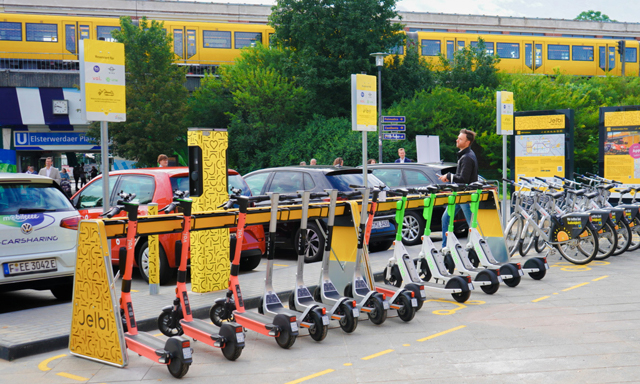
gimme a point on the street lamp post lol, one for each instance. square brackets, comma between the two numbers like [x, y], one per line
[379, 63]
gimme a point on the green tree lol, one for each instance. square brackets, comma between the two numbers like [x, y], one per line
[403, 76]
[328, 40]
[594, 16]
[470, 67]
[156, 96]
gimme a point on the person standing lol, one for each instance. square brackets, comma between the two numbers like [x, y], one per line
[83, 175]
[94, 172]
[50, 171]
[313, 162]
[466, 173]
[163, 160]
[338, 162]
[30, 170]
[76, 174]
[371, 161]
[402, 158]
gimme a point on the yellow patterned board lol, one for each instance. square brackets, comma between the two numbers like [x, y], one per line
[210, 248]
[154, 251]
[96, 329]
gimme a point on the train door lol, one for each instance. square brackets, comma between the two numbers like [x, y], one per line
[74, 32]
[533, 60]
[607, 59]
[185, 44]
[454, 45]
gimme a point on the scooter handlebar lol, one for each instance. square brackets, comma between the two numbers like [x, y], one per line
[170, 207]
[111, 212]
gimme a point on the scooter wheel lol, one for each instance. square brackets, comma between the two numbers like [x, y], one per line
[292, 302]
[473, 258]
[318, 330]
[169, 325]
[348, 322]
[395, 278]
[178, 368]
[348, 292]
[317, 295]
[231, 350]
[260, 308]
[423, 272]
[285, 339]
[449, 263]
[406, 313]
[219, 314]
[488, 275]
[459, 283]
[379, 314]
[513, 271]
[537, 263]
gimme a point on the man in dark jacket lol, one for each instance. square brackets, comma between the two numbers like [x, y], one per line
[466, 173]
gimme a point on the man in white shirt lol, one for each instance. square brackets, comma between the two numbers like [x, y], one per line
[50, 171]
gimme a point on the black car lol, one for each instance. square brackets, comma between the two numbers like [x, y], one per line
[401, 175]
[317, 178]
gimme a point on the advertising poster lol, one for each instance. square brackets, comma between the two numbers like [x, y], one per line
[8, 161]
[620, 144]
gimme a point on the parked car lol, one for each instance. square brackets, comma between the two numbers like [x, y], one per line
[38, 232]
[411, 175]
[157, 185]
[316, 179]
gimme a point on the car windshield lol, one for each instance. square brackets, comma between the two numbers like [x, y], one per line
[236, 181]
[28, 197]
[181, 183]
[342, 181]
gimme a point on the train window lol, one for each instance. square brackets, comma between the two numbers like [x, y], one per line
[246, 39]
[216, 39]
[42, 32]
[84, 32]
[191, 43]
[460, 45]
[582, 53]
[508, 50]
[430, 47]
[557, 52]
[178, 41]
[105, 33]
[11, 31]
[397, 50]
[70, 38]
[450, 49]
[488, 45]
[528, 56]
[630, 55]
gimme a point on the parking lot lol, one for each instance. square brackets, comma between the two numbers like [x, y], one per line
[580, 324]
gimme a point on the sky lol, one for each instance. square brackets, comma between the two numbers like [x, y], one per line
[620, 10]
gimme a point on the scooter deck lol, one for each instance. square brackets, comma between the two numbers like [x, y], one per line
[145, 340]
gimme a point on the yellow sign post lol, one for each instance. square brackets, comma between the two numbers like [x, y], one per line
[96, 329]
[363, 103]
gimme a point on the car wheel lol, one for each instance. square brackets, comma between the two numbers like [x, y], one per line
[412, 228]
[166, 272]
[250, 263]
[315, 243]
[380, 246]
[63, 292]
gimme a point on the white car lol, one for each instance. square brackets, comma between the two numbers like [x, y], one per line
[38, 235]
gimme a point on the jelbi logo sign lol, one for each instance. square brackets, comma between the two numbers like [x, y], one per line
[102, 78]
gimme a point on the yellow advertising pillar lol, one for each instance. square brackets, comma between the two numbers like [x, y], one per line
[208, 189]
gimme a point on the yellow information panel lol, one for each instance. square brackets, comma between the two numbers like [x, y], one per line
[96, 329]
[210, 248]
[102, 80]
[504, 113]
[622, 146]
[363, 103]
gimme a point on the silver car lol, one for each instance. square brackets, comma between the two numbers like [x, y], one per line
[38, 235]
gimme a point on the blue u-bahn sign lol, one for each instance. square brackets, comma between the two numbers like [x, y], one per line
[35, 140]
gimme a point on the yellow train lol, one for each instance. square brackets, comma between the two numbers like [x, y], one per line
[51, 42]
[537, 54]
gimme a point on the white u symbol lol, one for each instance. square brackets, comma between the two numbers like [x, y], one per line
[21, 138]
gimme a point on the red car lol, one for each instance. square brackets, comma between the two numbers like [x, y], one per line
[157, 185]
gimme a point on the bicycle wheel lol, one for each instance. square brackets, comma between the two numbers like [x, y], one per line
[607, 241]
[581, 250]
[635, 235]
[512, 234]
[529, 236]
[624, 237]
[545, 225]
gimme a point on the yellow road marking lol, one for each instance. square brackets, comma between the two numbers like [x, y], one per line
[347, 364]
[441, 333]
[280, 265]
[43, 366]
[134, 290]
[540, 298]
[377, 354]
[575, 286]
[73, 377]
[555, 293]
[406, 345]
[600, 278]
[158, 334]
[311, 376]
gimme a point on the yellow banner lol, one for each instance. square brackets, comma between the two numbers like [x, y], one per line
[532, 123]
[97, 51]
[366, 83]
[622, 119]
[105, 98]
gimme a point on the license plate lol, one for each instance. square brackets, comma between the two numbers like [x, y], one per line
[520, 272]
[380, 224]
[414, 302]
[385, 304]
[240, 337]
[294, 326]
[356, 312]
[423, 294]
[325, 320]
[186, 352]
[500, 279]
[31, 266]
[546, 266]
[471, 286]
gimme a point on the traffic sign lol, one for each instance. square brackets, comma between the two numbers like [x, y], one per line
[393, 119]
[394, 128]
[394, 136]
